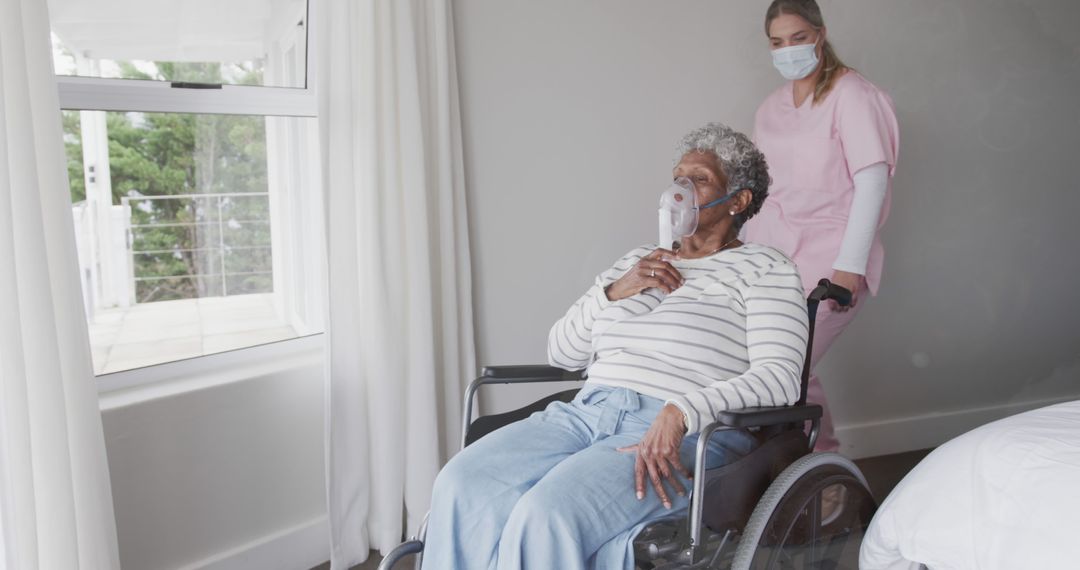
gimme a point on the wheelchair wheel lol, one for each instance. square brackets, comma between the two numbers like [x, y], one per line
[788, 529]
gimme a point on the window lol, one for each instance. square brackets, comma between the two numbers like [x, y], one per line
[191, 141]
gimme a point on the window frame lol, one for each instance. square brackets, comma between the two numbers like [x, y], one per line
[178, 376]
[148, 96]
[135, 95]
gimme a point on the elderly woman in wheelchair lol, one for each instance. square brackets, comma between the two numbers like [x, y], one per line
[673, 339]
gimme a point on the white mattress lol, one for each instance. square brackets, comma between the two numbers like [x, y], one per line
[1003, 496]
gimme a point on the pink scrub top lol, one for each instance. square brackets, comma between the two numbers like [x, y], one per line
[813, 151]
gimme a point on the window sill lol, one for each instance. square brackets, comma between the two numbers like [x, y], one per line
[131, 387]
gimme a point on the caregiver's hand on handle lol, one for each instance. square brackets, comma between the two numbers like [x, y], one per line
[850, 281]
[658, 455]
[652, 271]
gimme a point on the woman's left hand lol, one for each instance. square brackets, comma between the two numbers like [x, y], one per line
[850, 281]
[658, 454]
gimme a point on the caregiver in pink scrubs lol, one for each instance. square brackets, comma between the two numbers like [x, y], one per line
[831, 140]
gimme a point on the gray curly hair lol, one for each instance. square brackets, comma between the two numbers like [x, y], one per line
[741, 161]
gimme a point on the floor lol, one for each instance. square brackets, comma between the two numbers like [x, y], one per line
[882, 473]
[153, 333]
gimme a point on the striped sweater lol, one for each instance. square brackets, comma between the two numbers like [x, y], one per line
[733, 336]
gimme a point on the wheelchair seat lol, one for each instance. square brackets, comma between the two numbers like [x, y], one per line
[487, 424]
[761, 511]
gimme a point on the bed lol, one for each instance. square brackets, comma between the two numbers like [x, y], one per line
[1002, 496]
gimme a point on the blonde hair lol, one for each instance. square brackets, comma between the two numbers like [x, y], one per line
[831, 66]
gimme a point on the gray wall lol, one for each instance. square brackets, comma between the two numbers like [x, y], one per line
[571, 110]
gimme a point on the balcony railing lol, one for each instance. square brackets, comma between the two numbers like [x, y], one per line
[199, 245]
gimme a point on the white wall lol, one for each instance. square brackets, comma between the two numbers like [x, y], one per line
[571, 110]
[222, 465]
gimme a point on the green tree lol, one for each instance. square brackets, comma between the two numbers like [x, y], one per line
[73, 148]
[172, 154]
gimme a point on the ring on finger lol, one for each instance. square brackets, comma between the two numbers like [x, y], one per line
[652, 273]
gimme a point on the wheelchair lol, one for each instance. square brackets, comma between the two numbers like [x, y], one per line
[762, 511]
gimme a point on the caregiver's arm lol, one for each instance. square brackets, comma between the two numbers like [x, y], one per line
[871, 184]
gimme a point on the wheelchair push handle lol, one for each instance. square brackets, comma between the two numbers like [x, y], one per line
[826, 290]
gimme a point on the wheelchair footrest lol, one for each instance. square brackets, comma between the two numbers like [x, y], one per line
[658, 540]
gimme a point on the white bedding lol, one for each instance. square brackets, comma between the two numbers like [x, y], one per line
[1003, 496]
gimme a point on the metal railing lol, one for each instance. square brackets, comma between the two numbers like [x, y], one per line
[217, 203]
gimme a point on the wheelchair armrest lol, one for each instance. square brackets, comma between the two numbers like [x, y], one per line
[741, 419]
[759, 417]
[528, 373]
[519, 374]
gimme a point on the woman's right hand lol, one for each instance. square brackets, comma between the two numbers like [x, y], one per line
[651, 271]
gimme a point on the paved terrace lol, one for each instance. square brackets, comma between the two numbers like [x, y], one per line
[153, 333]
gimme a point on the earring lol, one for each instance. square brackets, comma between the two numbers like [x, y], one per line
[732, 212]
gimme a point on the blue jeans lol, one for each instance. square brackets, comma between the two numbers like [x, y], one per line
[551, 491]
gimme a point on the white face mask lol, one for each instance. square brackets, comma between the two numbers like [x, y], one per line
[796, 62]
[679, 211]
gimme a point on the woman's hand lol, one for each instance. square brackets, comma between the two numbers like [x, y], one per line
[850, 281]
[658, 454]
[651, 271]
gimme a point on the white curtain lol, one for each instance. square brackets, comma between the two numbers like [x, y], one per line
[400, 320]
[55, 500]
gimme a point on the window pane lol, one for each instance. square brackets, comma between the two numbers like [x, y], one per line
[247, 42]
[196, 233]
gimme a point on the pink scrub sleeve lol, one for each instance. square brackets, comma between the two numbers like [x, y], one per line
[867, 127]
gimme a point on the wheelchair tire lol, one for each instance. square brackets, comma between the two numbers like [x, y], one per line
[786, 528]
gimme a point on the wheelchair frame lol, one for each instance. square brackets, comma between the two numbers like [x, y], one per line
[745, 418]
